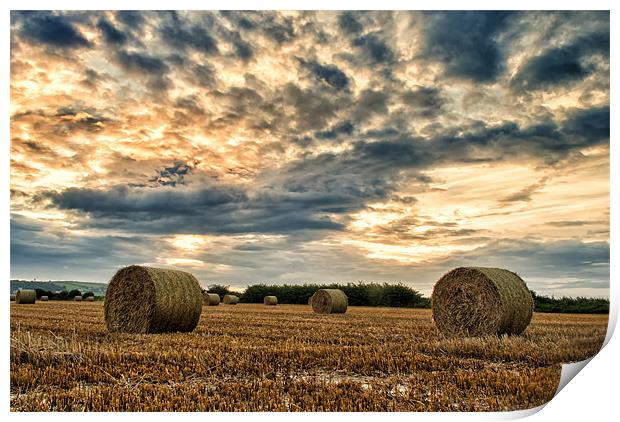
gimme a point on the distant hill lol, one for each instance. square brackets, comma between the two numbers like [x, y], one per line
[98, 289]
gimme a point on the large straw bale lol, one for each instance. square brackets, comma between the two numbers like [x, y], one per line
[143, 299]
[211, 299]
[26, 296]
[231, 299]
[329, 301]
[270, 300]
[477, 301]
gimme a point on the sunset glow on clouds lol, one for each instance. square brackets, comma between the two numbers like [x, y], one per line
[312, 146]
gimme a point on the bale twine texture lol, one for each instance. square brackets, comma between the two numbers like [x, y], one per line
[25, 296]
[211, 299]
[143, 299]
[478, 301]
[329, 301]
[270, 300]
[231, 300]
[44, 298]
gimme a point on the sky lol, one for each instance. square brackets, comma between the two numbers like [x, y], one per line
[292, 147]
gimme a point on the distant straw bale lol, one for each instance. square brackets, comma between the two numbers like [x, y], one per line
[12, 298]
[211, 299]
[270, 300]
[143, 299]
[26, 296]
[329, 301]
[44, 298]
[477, 301]
[90, 299]
[77, 298]
[231, 300]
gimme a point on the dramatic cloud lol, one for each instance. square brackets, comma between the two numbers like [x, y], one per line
[50, 29]
[312, 146]
[466, 43]
[561, 65]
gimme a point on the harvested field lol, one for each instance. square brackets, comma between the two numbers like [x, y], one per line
[257, 358]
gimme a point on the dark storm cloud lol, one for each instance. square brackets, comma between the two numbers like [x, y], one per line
[561, 65]
[154, 68]
[203, 74]
[131, 18]
[589, 123]
[466, 42]
[278, 28]
[349, 24]
[370, 102]
[343, 128]
[120, 200]
[424, 101]
[143, 63]
[181, 35]
[205, 210]
[243, 49]
[312, 109]
[374, 48]
[53, 30]
[110, 33]
[329, 73]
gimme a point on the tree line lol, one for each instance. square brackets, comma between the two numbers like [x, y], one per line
[63, 294]
[395, 295]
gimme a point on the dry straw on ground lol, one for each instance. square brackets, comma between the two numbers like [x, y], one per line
[211, 299]
[270, 300]
[90, 299]
[477, 301]
[152, 300]
[44, 298]
[231, 300]
[12, 298]
[329, 301]
[26, 296]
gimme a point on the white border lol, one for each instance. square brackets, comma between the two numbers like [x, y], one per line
[591, 395]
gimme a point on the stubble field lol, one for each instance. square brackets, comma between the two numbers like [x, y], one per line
[286, 358]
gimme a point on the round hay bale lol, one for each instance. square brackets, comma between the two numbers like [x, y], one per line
[477, 301]
[44, 298]
[329, 301]
[25, 296]
[310, 300]
[77, 298]
[231, 299]
[12, 298]
[211, 299]
[90, 299]
[152, 300]
[270, 300]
